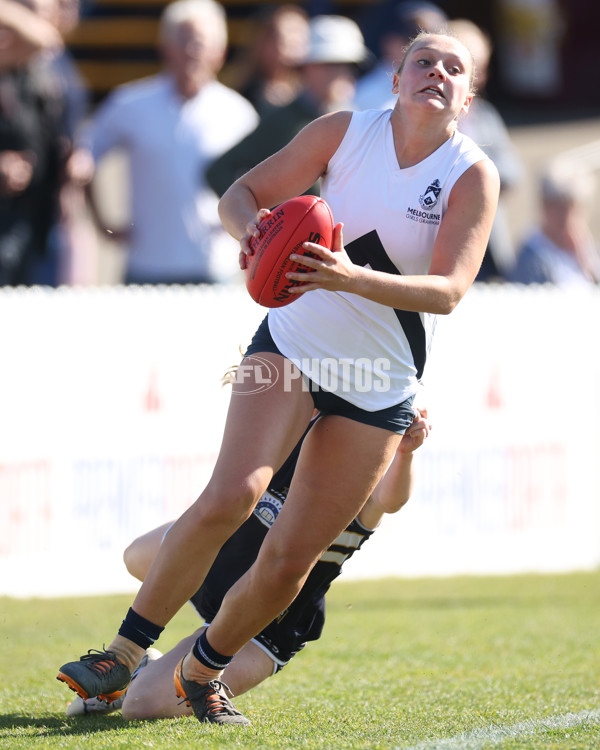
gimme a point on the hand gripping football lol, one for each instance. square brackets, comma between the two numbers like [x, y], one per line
[298, 220]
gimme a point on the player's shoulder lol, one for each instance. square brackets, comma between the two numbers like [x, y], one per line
[472, 163]
[325, 134]
[331, 123]
[356, 118]
[462, 147]
[355, 134]
[359, 128]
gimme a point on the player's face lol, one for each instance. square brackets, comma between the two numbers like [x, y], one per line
[436, 74]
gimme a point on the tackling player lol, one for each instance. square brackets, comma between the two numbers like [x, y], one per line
[151, 694]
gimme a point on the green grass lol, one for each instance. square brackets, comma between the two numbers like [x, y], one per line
[503, 661]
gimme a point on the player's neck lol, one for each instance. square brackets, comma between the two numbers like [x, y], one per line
[414, 142]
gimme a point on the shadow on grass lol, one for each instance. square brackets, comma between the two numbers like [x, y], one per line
[17, 725]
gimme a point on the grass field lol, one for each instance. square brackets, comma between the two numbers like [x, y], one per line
[507, 662]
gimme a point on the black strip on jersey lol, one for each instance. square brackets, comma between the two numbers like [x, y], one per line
[369, 250]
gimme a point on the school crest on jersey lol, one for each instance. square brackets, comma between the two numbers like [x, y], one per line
[430, 197]
[267, 509]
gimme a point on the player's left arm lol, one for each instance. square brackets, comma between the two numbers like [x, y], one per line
[395, 487]
[456, 256]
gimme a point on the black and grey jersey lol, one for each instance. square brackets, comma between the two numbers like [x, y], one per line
[303, 620]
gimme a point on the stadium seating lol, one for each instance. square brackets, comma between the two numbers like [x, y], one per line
[115, 41]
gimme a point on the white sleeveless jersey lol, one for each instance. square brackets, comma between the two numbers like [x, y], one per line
[367, 353]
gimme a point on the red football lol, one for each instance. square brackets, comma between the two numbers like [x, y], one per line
[299, 220]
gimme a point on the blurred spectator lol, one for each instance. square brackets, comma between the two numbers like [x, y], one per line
[396, 23]
[484, 124]
[266, 71]
[335, 55]
[31, 143]
[71, 253]
[65, 17]
[23, 34]
[170, 126]
[74, 238]
[561, 251]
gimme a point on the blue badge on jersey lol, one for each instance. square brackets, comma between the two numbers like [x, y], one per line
[267, 509]
[430, 197]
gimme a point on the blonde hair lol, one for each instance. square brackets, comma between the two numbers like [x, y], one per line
[229, 375]
[475, 40]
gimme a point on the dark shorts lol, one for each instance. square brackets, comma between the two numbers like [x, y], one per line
[397, 418]
[284, 637]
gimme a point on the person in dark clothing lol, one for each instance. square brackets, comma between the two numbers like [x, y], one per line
[151, 694]
[31, 161]
[329, 71]
[265, 71]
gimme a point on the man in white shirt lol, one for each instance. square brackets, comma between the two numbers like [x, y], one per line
[170, 127]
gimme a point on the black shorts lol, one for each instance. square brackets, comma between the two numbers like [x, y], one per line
[284, 637]
[397, 418]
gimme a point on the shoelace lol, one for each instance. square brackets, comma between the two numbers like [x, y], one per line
[102, 661]
[217, 702]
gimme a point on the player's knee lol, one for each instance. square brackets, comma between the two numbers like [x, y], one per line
[228, 504]
[286, 572]
[133, 561]
[134, 710]
[140, 710]
[137, 707]
[142, 704]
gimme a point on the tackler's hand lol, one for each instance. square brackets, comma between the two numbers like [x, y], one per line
[417, 433]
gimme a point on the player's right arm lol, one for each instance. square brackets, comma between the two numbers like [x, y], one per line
[286, 174]
[395, 487]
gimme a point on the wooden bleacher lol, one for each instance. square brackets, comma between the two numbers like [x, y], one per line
[115, 41]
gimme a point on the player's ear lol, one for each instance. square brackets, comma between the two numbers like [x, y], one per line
[467, 104]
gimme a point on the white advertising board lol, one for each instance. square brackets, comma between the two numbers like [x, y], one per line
[112, 410]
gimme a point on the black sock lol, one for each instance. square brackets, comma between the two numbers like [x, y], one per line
[139, 630]
[206, 654]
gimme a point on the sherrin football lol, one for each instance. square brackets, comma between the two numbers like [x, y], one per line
[298, 220]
